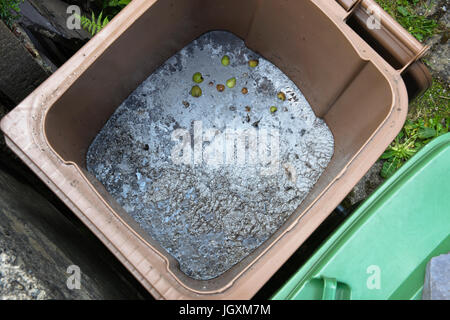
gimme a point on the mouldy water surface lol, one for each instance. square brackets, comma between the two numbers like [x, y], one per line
[170, 160]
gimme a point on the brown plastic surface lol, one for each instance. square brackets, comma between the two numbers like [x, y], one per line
[394, 43]
[361, 96]
[347, 4]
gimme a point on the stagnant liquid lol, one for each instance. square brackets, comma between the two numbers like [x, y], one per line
[211, 177]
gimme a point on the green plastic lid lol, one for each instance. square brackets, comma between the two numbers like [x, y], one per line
[382, 249]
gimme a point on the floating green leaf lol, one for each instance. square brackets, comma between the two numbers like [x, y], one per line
[226, 60]
[231, 83]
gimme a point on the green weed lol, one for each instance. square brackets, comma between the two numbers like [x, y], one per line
[9, 11]
[419, 26]
[429, 115]
[417, 133]
[93, 24]
[110, 8]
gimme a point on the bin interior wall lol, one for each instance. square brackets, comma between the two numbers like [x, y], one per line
[350, 94]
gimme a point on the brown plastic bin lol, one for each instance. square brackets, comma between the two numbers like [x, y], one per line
[356, 79]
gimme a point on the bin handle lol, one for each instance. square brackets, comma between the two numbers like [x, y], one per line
[329, 288]
[351, 6]
[400, 35]
[418, 56]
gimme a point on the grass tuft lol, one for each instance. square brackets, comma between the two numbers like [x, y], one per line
[404, 12]
[429, 115]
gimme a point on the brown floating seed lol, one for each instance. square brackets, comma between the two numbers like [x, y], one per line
[281, 96]
[248, 109]
[220, 87]
[244, 90]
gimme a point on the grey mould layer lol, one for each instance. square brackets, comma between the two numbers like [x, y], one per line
[210, 217]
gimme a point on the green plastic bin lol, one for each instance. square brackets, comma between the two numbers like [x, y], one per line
[382, 249]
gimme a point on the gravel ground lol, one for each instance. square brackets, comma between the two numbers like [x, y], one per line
[438, 58]
[15, 282]
[211, 214]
